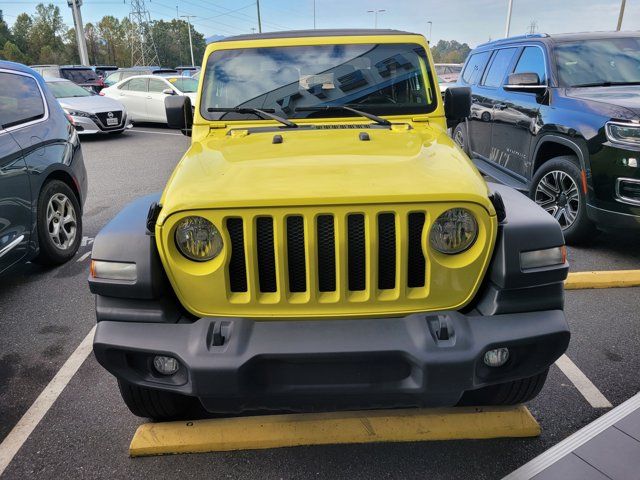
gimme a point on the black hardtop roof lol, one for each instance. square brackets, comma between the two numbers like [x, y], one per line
[557, 38]
[314, 33]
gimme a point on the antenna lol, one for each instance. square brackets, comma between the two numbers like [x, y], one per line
[143, 48]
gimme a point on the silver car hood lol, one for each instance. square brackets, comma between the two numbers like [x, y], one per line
[92, 104]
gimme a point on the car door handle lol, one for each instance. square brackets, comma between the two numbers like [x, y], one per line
[500, 106]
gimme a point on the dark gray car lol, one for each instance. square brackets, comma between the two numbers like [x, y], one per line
[43, 181]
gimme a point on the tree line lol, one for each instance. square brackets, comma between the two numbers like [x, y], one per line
[43, 38]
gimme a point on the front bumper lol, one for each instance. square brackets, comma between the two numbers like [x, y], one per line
[233, 364]
[91, 126]
[609, 219]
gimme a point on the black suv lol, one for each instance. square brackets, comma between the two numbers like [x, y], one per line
[558, 117]
[43, 181]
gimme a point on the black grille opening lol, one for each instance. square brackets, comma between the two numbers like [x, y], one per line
[386, 251]
[237, 262]
[326, 254]
[266, 255]
[296, 257]
[356, 253]
[630, 190]
[416, 268]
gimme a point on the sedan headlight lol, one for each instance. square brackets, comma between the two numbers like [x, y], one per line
[198, 239]
[627, 133]
[75, 113]
[454, 231]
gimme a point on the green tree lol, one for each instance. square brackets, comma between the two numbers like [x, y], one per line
[5, 33]
[450, 51]
[71, 55]
[172, 42]
[46, 34]
[21, 31]
[12, 52]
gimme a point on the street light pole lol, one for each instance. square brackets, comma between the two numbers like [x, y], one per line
[508, 27]
[430, 28]
[189, 17]
[375, 16]
[259, 21]
[77, 22]
[622, 5]
[314, 14]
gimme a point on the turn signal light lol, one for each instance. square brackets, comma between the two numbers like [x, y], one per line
[113, 270]
[543, 258]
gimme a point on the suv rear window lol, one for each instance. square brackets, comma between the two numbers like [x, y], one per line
[20, 100]
[498, 68]
[79, 75]
[475, 67]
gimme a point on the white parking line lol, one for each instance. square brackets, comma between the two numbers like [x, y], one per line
[84, 257]
[588, 390]
[156, 133]
[30, 420]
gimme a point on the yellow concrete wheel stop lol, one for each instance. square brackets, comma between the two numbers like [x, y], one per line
[603, 279]
[291, 430]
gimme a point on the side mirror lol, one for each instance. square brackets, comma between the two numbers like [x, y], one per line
[525, 82]
[168, 91]
[457, 104]
[179, 113]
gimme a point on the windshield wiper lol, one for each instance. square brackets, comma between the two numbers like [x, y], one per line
[267, 113]
[329, 108]
[604, 84]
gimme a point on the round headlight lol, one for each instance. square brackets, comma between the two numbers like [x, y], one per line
[454, 231]
[198, 239]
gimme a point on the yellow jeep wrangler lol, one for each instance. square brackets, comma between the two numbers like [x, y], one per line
[324, 244]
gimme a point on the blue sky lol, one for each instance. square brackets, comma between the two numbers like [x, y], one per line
[471, 21]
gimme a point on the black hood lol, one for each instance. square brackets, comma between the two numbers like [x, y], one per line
[626, 96]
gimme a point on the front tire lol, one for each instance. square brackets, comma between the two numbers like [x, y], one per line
[59, 224]
[557, 188]
[158, 404]
[509, 393]
[460, 137]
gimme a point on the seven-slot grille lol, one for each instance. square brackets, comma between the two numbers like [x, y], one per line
[327, 253]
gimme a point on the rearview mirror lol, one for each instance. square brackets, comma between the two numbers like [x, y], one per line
[525, 82]
[457, 104]
[168, 91]
[179, 113]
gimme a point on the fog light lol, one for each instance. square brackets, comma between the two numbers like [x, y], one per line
[165, 365]
[497, 357]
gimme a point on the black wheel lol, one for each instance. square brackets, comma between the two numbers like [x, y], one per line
[59, 224]
[460, 136]
[157, 404]
[557, 187]
[510, 393]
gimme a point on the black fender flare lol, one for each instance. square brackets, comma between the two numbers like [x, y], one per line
[580, 150]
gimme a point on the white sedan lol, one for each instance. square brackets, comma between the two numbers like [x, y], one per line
[144, 95]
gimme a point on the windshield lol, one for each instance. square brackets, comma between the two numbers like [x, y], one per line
[79, 75]
[67, 90]
[603, 61]
[381, 79]
[185, 85]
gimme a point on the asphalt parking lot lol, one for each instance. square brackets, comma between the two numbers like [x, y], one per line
[46, 314]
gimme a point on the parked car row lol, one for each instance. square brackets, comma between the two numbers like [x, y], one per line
[558, 117]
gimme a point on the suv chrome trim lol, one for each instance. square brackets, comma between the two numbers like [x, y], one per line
[11, 245]
[45, 116]
[621, 198]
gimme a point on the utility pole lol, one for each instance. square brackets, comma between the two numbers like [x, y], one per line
[430, 27]
[508, 27]
[259, 20]
[622, 5]
[375, 16]
[189, 17]
[314, 14]
[77, 22]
